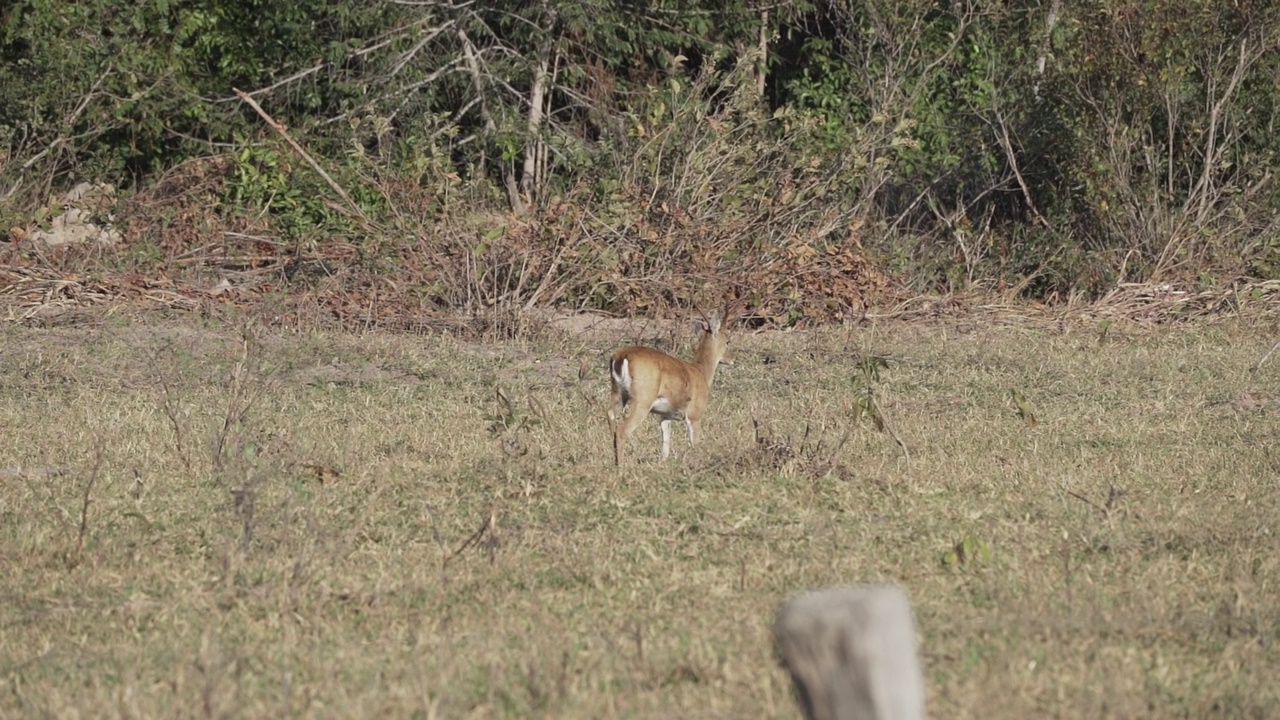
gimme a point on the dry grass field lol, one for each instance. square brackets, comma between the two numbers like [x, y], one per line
[358, 526]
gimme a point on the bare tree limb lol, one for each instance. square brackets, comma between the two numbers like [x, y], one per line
[72, 119]
[490, 127]
[412, 52]
[280, 129]
[1012, 156]
[378, 44]
[83, 531]
[1213, 153]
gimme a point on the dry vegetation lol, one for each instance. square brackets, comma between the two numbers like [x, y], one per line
[196, 521]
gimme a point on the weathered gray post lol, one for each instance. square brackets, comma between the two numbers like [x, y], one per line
[852, 654]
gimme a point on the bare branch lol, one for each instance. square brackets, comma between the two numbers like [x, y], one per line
[1213, 151]
[360, 214]
[83, 532]
[534, 146]
[378, 44]
[73, 118]
[490, 127]
[1012, 156]
[412, 52]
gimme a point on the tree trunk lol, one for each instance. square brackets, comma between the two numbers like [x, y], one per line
[535, 154]
[762, 62]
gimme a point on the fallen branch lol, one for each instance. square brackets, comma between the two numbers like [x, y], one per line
[1266, 357]
[487, 527]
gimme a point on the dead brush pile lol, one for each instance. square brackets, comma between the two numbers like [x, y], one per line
[183, 249]
[809, 458]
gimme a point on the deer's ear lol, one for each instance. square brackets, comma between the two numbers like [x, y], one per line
[702, 316]
[732, 309]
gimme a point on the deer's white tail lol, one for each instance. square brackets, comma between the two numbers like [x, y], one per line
[620, 369]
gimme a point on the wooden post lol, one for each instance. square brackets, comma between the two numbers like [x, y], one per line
[851, 653]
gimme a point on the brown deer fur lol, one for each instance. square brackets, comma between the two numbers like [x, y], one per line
[647, 381]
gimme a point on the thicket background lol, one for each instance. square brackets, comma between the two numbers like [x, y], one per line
[633, 156]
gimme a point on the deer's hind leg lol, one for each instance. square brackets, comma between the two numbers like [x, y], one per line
[637, 407]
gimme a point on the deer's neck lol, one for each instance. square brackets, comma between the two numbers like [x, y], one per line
[706, 359]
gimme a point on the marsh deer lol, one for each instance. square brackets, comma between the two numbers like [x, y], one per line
[647, 381]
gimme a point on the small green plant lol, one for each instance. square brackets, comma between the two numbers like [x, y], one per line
[1023, 407]
[1104, 331]
[264, 181]
[512, 424]
[507, 417]
[864, 398]
[969, 551]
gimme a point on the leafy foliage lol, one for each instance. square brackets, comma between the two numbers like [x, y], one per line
[804, 152]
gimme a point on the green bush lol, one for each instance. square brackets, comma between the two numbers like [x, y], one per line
[1039, 147]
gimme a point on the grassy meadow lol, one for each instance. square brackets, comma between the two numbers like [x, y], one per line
[196, 522]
